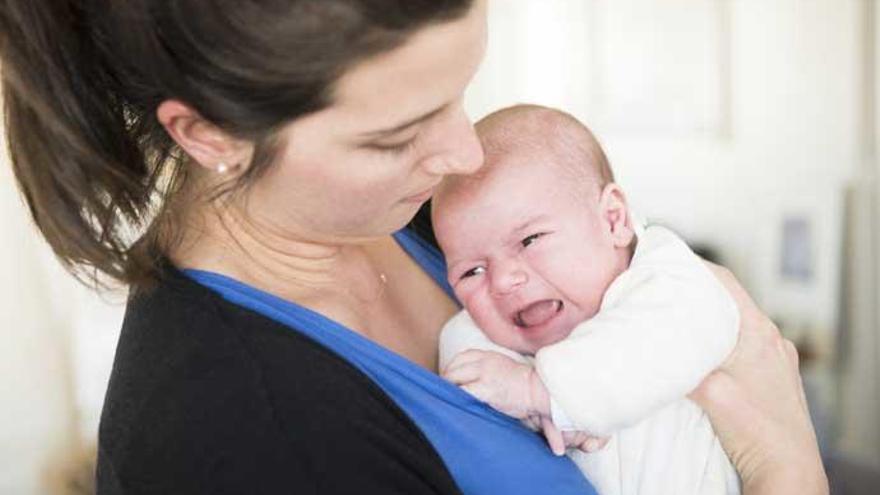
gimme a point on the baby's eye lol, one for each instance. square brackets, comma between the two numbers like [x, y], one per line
[532, 238]
[472, 272]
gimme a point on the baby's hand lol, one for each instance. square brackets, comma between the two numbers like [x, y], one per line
[584, 441]
[508, 386]
[560, 441]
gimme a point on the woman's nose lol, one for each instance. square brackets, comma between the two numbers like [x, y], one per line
[459, 150]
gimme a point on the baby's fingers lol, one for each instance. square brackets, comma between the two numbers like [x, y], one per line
[582, 440]
[532, 422]
[463, 373]
[594, 444]
[465, 359]
[481, 392]
[553, 436]
[465, 367]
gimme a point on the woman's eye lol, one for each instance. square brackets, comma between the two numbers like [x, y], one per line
[530, 239]
[393, 148]
[472, 272]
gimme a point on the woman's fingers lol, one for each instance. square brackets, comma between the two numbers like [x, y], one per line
[722, 399]
[747, 306]
[793, 358]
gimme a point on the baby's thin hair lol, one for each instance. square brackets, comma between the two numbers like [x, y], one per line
[536, 128]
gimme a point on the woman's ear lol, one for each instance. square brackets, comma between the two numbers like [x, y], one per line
[207, 144]
[614, 212]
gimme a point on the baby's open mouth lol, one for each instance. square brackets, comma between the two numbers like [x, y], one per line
[537, 313]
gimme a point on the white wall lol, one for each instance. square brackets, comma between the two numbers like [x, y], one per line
[858, 402]
[37, 414]
[786, 145]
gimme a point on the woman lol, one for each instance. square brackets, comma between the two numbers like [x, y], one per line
[281, 334]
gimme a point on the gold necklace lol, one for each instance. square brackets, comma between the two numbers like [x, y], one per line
[384, 280]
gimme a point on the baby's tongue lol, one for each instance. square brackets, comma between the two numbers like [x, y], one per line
[538, 312]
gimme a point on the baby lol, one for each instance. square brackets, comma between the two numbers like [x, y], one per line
[577, 319]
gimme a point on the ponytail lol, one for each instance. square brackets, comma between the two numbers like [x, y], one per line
[83, 175]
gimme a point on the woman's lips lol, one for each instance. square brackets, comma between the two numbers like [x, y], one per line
[537, 313]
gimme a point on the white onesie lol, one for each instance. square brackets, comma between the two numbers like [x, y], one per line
[663, 325]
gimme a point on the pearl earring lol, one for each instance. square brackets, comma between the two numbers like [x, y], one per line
[222, 168]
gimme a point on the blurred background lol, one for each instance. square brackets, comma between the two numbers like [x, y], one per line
[750, 127]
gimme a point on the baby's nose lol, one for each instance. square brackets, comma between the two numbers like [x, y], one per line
[507, 281]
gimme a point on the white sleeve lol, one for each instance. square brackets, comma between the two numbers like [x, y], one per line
[664, 324]
[460, 334]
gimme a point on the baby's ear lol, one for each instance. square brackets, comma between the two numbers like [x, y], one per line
[615, 213]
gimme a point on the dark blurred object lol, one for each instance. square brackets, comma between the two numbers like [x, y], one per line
[796, 263]
[73, 473]
[848, 477]
[707, 252]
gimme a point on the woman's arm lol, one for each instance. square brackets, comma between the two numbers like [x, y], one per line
[756, 403]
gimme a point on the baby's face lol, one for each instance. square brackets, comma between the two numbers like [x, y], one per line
[526, 257]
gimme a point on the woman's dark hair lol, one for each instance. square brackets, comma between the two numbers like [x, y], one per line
[82, 80]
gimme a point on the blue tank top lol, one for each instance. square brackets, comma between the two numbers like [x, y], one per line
[486, 451]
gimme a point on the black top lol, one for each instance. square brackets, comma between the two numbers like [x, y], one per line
[209, 397]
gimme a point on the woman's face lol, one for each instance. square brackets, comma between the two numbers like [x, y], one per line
[363, 166]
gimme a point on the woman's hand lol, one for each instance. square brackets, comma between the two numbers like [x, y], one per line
[756, 403]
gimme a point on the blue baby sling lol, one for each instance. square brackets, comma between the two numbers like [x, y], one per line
[485, 451]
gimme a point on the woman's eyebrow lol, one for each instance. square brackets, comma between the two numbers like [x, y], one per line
[400, 127]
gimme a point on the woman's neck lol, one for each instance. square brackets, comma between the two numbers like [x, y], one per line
[222, 240]
[371, 286]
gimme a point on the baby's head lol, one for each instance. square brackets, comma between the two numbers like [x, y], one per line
[533, 240]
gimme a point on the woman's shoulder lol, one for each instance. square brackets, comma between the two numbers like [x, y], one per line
[210, 394]
[181, 340]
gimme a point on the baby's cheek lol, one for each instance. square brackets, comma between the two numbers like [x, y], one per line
[466, 291]
[480, 309]
[492, 323]
[470, 301]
